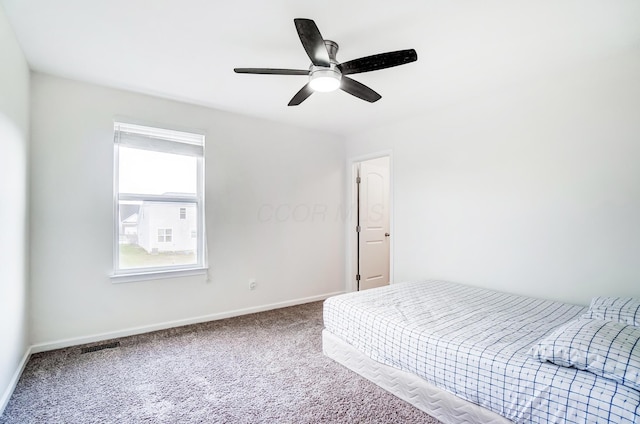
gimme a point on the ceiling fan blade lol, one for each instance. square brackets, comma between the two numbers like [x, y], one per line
[378, 61]
[270, 71]
[359, 90]
[301, 95]
[312, 41]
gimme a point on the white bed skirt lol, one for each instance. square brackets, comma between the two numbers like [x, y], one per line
[438, 403]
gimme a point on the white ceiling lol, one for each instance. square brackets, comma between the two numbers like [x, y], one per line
[187, 49]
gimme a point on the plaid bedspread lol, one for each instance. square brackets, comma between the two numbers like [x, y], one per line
[474, 343]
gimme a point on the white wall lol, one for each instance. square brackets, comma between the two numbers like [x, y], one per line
[14, 126]
[534, 189]
[257, 174]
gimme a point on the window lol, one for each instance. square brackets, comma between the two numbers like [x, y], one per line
[159, 202]
[164, 235]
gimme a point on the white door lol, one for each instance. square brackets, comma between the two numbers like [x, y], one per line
[373, 214]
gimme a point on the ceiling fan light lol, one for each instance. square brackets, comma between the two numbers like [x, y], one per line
[325, 80]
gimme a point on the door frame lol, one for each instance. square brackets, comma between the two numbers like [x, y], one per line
[352, 217]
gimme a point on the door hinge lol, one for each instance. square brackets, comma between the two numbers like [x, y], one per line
[358, 180]
[357, 277]
[357, 228]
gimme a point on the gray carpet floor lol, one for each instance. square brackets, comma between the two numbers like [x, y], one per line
[260, 368]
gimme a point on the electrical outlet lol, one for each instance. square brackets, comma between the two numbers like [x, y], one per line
[252, 284]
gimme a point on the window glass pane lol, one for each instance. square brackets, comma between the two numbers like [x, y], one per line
[151, 172]
[151, 234]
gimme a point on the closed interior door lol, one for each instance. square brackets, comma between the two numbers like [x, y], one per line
[373, 214]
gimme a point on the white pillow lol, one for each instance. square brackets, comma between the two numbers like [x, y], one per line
[621, 309]
[606, 348]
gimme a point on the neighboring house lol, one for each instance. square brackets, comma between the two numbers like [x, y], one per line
[167, 227]
[129, 229]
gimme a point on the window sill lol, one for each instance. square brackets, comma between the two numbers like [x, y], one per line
[157, 275]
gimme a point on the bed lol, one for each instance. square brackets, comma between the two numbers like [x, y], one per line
[466, 354]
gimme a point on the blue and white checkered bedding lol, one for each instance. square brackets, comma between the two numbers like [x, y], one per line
[475, 344]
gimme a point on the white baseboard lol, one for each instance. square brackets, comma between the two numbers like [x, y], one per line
[59, 344]
[4, 400]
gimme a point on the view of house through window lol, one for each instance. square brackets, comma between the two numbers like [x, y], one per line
[159, 201]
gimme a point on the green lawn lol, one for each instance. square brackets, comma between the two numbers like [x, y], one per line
[133, 256]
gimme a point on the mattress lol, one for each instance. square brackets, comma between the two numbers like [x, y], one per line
[474, 343]
[440, 404]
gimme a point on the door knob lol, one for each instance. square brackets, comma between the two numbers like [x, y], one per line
[387, 234]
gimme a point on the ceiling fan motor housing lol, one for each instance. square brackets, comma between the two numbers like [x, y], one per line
[325, 79]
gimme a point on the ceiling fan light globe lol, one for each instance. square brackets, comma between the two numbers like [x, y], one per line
[325, 80]
[324, 84]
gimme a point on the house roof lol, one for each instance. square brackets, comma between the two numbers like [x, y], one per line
[131, 219]
[186, 50]
[128, 211]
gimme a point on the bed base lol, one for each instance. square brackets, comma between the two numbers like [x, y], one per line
[440, 404]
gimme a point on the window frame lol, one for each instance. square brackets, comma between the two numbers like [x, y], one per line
[166, 141]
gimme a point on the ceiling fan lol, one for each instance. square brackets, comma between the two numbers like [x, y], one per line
[326, 73]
